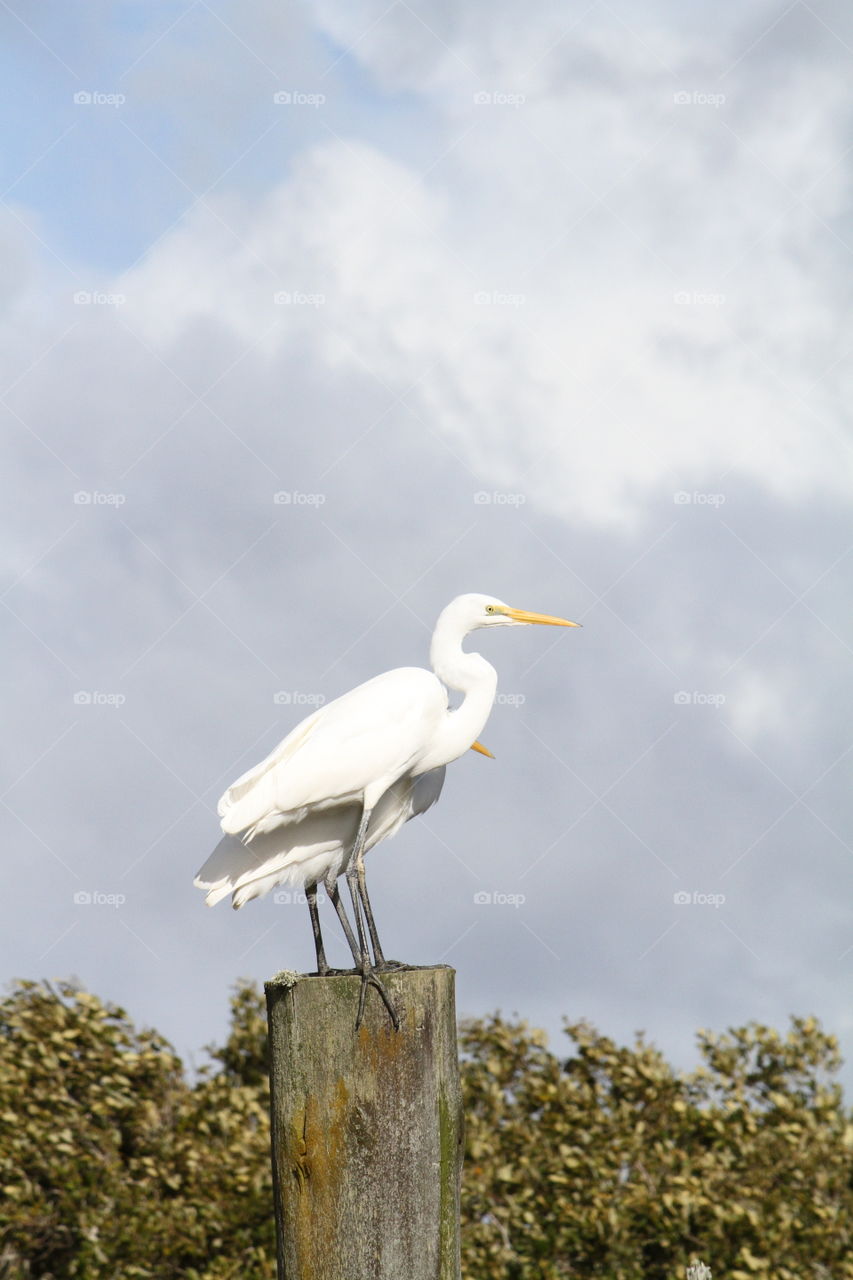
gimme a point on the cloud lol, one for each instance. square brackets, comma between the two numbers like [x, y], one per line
[619, 292]
[616, 316]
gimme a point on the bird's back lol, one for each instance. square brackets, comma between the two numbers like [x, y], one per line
[364, 740]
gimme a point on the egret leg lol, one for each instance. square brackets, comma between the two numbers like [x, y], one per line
[378, 957]
[379, 961]
[355, 877]
[368, 978]
[335, 897]
[311, 895]
[356, 854]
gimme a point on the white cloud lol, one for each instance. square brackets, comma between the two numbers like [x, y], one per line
[764, 703]
[606, 292]
[580, 381]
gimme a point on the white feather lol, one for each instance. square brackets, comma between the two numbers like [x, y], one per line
[351, 749]
[305, 851]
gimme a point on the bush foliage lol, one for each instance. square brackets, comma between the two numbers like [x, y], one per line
[605, 1163]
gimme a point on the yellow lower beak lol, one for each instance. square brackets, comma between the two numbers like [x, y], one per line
[521, 615]
[484, 751]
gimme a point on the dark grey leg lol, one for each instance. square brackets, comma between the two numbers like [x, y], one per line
[378, 957]
[335, 897]
[368, 977]
[311, 895]
[355, 873]
[352, 881]
[358, 874]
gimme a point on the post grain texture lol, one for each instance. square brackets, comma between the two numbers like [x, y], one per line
[366, 1127]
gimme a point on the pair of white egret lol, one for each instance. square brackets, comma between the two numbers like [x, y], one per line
[351, 774]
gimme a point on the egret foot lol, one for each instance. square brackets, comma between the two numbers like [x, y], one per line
[385, 965]
[369, 979]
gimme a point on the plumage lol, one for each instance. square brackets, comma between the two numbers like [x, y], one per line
[351, 773]
[354, 747]
[303, 852]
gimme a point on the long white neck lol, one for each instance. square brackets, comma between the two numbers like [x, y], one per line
[472, 675]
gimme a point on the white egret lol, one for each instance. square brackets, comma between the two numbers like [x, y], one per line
[352, 773]
[314, 850]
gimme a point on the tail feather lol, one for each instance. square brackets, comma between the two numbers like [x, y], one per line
[295, 853]
[303, 849]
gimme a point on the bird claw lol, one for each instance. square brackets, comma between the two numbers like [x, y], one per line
[369, 979]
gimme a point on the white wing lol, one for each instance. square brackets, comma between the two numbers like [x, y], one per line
[295, 853]
[351, 749]
[285, 749]
[304, 852]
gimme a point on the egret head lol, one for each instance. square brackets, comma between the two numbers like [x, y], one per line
[473, 611]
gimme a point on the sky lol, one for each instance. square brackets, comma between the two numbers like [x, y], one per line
[314, 317]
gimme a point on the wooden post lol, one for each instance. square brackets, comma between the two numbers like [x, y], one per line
[366, 1127]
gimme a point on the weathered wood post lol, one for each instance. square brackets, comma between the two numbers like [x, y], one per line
[366, 1127]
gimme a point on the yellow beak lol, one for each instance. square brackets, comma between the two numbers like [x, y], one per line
[484, 751]
[521, 615]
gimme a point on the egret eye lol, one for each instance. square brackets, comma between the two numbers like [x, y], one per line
[490, 608]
